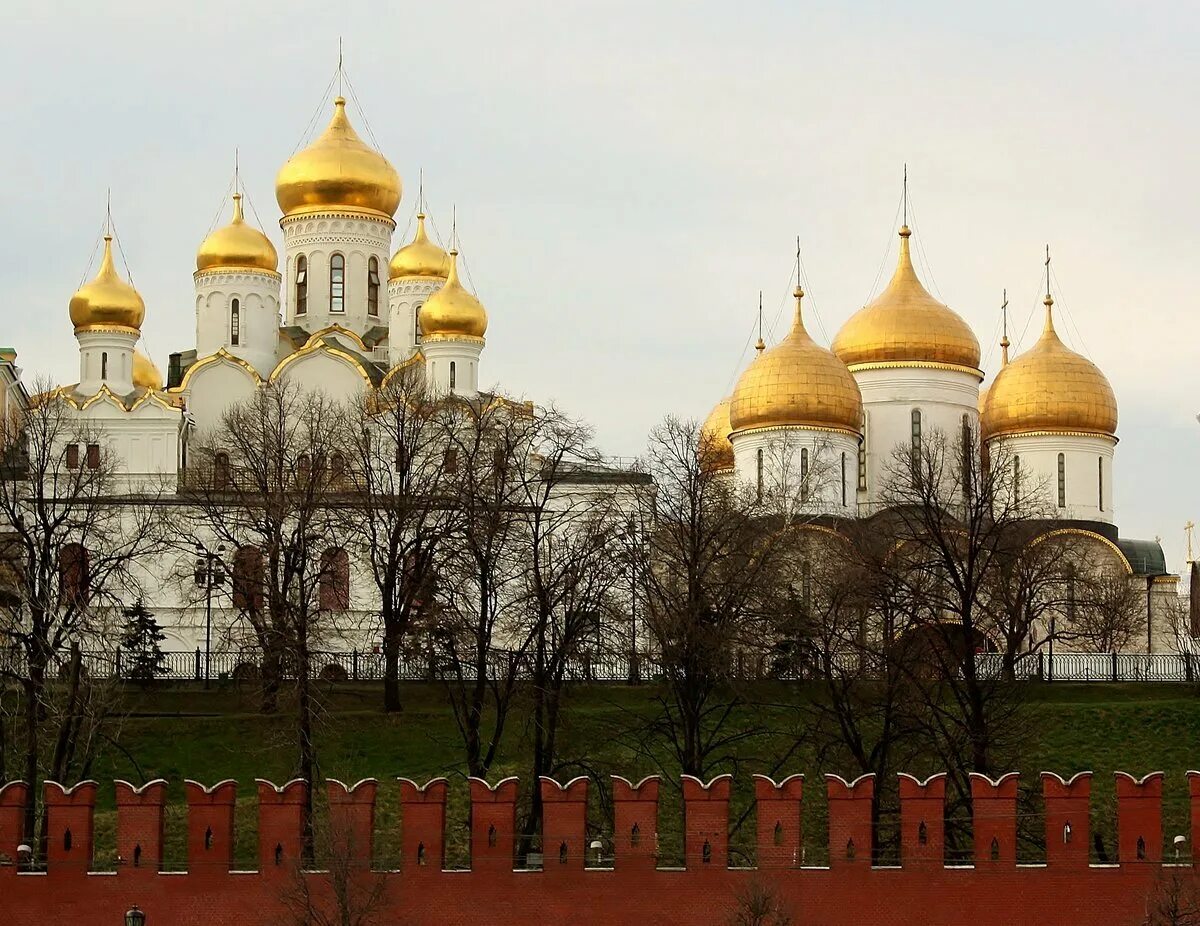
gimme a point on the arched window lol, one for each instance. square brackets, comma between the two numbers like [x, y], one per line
[235, 323]
[1062, 481]
[967, 451]
[337, 466]
[862, 456]
[303, 468]
[803, 474]
[417, 322]
[1100, 481]
[453, 378]
[248, 579]
[221, 475]
[843, 480]
[916, 431]
[73, 573]
[759, 474]
[373, 286]
[334, 583]
[337, 283]
[104, 364]
[301, 285]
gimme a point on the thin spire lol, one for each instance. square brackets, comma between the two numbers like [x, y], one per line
[1004, 342]
[905, 196]
[237, 178]
[454, 226]
[421, 190]
[108, 212]
[1048, 302]
[761, 345]
[798, 322]
[1047, 271]
[339, 66]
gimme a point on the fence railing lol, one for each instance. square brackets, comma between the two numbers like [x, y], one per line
[369, 665]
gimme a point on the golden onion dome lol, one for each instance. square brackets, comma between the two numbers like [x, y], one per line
[107, 299]
[797, 383]
[338, 171]
[715, 434]
[1050, 388]
[906, 325]
[145, 373]
[452, 312]
[420, 257]
[237, 245]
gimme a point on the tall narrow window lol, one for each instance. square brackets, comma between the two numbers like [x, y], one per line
[453, 377]
[915, 452]
[301, 285]
[862, 458]
[104, 365]
[803, 474]
[759, 473]
[333, 592]
[967, 457]
[248, 579]
[93, 456]
[337, 284]
[235, 323]
[72, 456]
[843, 480]
[451, 460]
[1100, 481]
[417, 323]
[222, 475]
[1062, 481]
[74, 577]
[373, 286]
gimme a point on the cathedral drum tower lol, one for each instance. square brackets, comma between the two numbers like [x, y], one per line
[338, 197]
[917, 364]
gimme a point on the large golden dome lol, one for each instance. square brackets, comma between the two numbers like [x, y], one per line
[452, 312]
[906, 325]
[145, 373]
[1050, 388]
[107, 300]
[338, 171]
[238, 246]
[715, 432]
[420, 257]
[797, 383]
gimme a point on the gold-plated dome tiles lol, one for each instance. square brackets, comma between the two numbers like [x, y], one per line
[420, 257]
[452, 312]
[237, 246]
[906, 325]
[107, 300]
[338, 171]
[715, 432]
[145, 373]
[797, 383]
[1050, 388]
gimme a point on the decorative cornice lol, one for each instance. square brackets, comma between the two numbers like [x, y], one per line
[341, 212]
[801, 426]
[108, 329]
[451, 338]
[221, 355]
[915, 365]
[226, 272]
[1053, 433]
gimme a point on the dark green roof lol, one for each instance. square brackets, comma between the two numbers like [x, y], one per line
[1145, 556]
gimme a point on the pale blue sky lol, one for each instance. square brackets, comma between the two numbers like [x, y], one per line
[628, 175]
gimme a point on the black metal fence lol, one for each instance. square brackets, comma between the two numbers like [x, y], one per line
[368, 666]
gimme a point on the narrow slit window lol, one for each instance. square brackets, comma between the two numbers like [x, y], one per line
[453, 375]
[373, 286]
[301, 285]
[104, 365]
[337, 284]
[1062, 480]
[759, 473]
[235, 323]
[843, 480]
[803, 474]
[1100, 481]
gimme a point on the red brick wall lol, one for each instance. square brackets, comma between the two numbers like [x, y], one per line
[996, 891]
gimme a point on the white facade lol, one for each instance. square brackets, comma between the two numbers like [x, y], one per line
[808, 471]
[106, 359]
[1071, 474]
[237, 310]
[405, 298]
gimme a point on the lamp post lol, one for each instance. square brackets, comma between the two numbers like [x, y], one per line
[135, 917]
[210, 572]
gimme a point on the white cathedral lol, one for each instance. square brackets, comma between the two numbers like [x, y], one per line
[343, 312]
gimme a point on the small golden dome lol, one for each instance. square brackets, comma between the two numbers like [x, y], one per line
[107, 299]
[145, 373]
[1050, 388]
[797, 383]
[338, 171]
[420, 257]
[715, 433]
[237, 245]
[452, 312]
[905, 324]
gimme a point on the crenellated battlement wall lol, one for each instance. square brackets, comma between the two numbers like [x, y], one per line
[570, 887]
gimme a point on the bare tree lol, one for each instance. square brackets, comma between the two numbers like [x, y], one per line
[75, 536]
[481, 636]
[268, 482]
[1173, 900]
[346, 893]
[402, 515]
[704, 575]
[1106, 614]
[758, 905]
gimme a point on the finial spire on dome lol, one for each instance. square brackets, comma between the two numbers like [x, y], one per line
[904, 196]
[798, 293]
[1004, 342]
[760, 345]
[1048, 302]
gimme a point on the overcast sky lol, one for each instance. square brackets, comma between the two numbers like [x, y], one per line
[628, 176]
